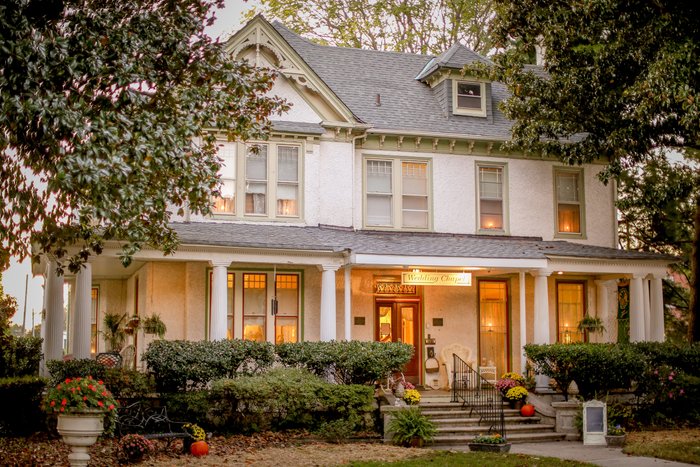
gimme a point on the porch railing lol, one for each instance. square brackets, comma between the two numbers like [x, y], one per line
[478, 395]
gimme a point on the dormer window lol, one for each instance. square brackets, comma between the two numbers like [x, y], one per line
[468, 98]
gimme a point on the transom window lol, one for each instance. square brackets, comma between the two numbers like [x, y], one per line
[270, 181]
[397, 194]
[491, 198]
[569, 198]
[468, 98]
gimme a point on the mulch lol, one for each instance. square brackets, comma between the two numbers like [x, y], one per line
[262, 449]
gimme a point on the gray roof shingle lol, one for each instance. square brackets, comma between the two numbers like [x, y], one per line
[356, 76]
[333, 239]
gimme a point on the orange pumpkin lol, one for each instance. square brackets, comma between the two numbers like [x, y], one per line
[199, 448]
[527, 410]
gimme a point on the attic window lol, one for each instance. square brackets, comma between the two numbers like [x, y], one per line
[468, 98]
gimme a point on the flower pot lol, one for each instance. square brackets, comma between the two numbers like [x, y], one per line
[489, 447]
[80, 431]
[516, 404]
[615, 440]
[416, 442]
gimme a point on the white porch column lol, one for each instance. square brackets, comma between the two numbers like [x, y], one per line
[348, 303]
[523, 322]
[328, 310]
[657, 309]
[541, 308]
[647, 310]
[53, 335]
[81, 319]
[636, 309]
[217, 327]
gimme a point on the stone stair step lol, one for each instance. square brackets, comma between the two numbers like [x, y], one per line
[509, 429]
[515, 438]
[476, 420]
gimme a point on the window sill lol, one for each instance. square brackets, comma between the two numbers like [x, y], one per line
[500, 232]
[576, 236]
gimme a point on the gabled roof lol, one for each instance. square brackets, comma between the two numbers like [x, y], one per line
[454, 58]
[356, 76]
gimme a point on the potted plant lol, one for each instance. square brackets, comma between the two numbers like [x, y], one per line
[133, 448]
[410, 427]
[411, 396]
[591, 324]
[517, 396]
[132, 324]
[84, 407]
[197, 436]
[489, 443]
[154, 325]
[113, 331]
[509, 381]
[616, 436]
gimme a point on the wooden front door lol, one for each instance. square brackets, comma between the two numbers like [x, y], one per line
[397, 321]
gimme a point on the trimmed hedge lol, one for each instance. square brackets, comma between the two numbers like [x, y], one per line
[20, 356]
[186, 365]
[121, 382]
[21, 412]
[286, 398]
[349, 362]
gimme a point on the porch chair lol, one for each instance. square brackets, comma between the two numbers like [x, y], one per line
[127, 354]
[461, 351]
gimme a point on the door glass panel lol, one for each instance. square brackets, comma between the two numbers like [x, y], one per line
[385, 334]
[493, 323]
[407, 325]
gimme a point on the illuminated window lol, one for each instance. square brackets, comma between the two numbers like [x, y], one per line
[254, 306]
[569, 194]
[286, 319]
[397, 196]
[287, 180]
[571, 302]
[491, 200]
[493, 325]
[226, 203]
[94, 318]
[468, 98]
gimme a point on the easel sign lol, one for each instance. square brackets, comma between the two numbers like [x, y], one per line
[595, 420]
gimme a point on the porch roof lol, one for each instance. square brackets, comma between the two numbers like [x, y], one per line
[341, 239]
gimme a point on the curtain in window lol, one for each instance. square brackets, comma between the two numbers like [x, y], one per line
[570, 303]
[493, 324]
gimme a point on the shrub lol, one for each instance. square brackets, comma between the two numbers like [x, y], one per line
[121, 382]
[192, 406]
[61, 370]
[350, 362]
[185, 365]
[287, 398]
[410, 423]
[336, 431]
[20, 356]
[21, 413]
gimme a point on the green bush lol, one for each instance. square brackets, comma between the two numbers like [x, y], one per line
[121, 382]
[191, 406]
[186, 365]
[20, 356]
[685, 358]
[410, 423]
[596, 368]
[350, 362]
[287, 398]
[21, 413]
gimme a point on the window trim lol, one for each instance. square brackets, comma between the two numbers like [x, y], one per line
[397, 192]
[456, 110]
[581, 202]
[584, 285]
[272, 183]
[504, 198]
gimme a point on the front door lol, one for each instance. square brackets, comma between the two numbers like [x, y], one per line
[397, 321]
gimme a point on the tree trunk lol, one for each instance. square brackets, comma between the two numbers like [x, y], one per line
[694, 315]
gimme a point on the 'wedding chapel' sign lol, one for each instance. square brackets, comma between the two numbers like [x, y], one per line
[460, 279]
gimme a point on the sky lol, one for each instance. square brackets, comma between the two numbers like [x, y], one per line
[228, 20]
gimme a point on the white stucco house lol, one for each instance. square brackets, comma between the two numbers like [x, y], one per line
[381, 207]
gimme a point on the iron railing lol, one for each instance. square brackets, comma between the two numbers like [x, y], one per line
[478, 395]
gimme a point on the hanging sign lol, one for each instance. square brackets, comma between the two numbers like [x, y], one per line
[460, 279]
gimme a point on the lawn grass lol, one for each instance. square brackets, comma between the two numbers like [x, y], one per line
[460, 459]
[673, 445]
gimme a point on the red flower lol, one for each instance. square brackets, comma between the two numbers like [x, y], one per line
[52, 403]
[78, 378]
[62, 409]
[67, 380]
[84, 398]
[111, 407]
[58, 387]
[100, 403]
[64, 402]
[104, 393]
[99, 381]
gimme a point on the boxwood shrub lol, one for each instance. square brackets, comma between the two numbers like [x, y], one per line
[21, 413]
[186, 365]
[285, 398]
[122, 382]
[349, 362]
[20, 356]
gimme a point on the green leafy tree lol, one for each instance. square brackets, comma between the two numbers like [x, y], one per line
[620, 85]
[415, 26]
[107, 113]
[8, 308]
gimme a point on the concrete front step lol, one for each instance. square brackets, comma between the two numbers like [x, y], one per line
[462, 413]
[462, 440]
[476, 429]
[476, 420]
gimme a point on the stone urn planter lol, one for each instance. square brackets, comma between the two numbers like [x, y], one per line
[80, 431]
[489, 447]
[615, 440]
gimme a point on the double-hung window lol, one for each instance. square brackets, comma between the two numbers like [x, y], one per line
[269, 185]
[397, 194]
[469, 98]
[569, 201]
[491, 205]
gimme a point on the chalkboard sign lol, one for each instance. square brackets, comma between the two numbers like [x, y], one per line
[594, 419]
[594, 423]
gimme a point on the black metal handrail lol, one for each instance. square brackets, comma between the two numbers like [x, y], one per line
[479, 395]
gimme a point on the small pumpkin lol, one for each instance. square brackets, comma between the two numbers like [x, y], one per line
[527, 410]
[199, 448]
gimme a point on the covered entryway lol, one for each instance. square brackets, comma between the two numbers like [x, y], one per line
[397, 320]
